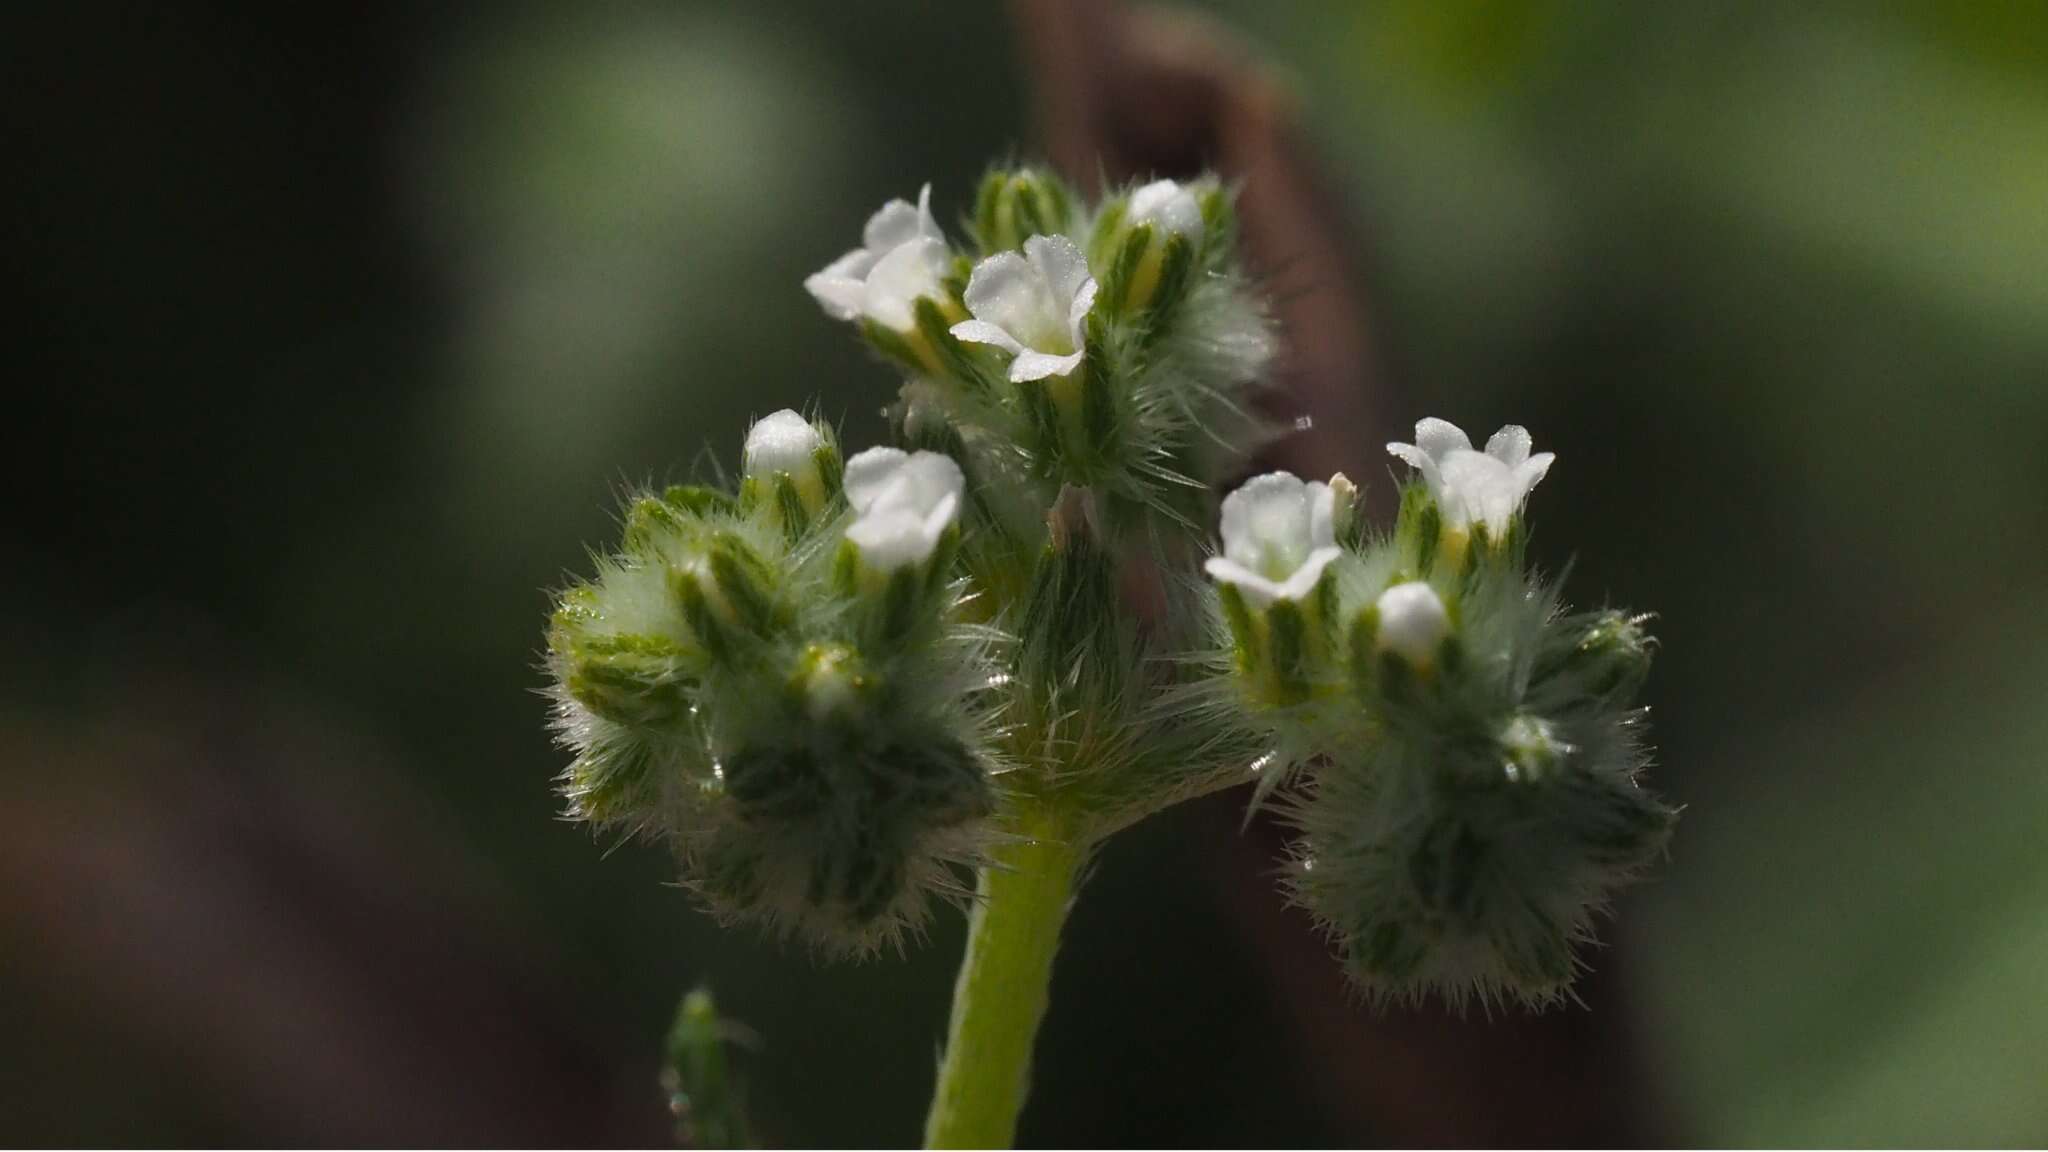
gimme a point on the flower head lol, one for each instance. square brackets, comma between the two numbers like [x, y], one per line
[1412, 622]
[1033, 306]
[1475, 487]
[1168, 206]
[903, 503]
[902, 257]
[1278, 537]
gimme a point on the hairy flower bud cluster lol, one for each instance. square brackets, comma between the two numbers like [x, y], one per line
[774, 681]
[1107, 346]
[1457, 752]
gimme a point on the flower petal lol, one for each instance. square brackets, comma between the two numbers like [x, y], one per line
[840, 296]
[891, 538]
[1006, 291]
[1439, 437]
[1257, 590]
[1061, 264]
[983, 332]
[1167, 205]
[1310, 574]
[1510, 445]
[911, 271]
[1030, 365]
[869, 472]
[1421, 461]
[1531, 471]
[1322, 514]
[898, 223]
[1077, 313]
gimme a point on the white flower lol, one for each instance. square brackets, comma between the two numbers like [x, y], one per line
[903, 502]
[1168, 206]
[902, 257]
[1475, 487]
[1413, 622]
[1278, 536]
[1033, 306]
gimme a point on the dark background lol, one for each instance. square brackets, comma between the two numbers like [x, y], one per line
[338, 332]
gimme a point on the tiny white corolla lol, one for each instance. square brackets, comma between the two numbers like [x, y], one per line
[902, 502]
[903, 256]
[1168, 206]
[784, 443]
[1413, 622]
[1278, 537]
[1034, 306]
[1475, 487]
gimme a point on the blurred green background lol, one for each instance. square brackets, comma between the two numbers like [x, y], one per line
[343, 331]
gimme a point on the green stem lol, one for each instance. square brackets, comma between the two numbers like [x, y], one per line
[1001, 995]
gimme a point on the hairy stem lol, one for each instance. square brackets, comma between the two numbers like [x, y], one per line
[1001, 995]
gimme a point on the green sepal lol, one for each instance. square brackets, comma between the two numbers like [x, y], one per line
[1012, 206]
[1288, 651]
[1244, 634]
[900, 347]
[955, 360]
[1102, 242]
[1176, 275]
[630, 679]
[831, 467]
[698, 500]
[796, 519]
[1418, 528]
[685, 583]
[651, 519]
[1100, 428]
[1363, 652]
[748, 584]
[846, 569]
[1124, 271]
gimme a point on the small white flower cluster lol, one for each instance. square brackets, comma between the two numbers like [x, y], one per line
[1092, 342]
[1279, 542]
[903, 502]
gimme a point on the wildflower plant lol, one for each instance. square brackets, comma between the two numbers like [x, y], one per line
[855, 688]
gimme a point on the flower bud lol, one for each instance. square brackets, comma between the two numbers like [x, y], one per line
[1014, 206]
[1604, 654]
[791, 466]
[830, 681]
[1150, 242]
[730, 596]
[1410, 621]
[629, 679]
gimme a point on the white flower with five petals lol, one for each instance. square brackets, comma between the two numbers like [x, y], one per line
[1278, 537]
[1475, 487]
[903, 256]
[903, 503]
[1168, 206]
[1034, 306]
